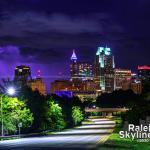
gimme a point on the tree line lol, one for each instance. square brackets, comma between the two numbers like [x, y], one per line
[39, 113]
[138, 104]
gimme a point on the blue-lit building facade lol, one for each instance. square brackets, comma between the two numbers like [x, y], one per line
[104, 69]
[74, 66]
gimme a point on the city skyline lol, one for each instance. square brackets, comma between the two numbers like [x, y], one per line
[74, 74]
[38, 33]
[81, 71]
[38, 67]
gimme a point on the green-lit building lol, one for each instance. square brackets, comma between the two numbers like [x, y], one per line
[104, 69]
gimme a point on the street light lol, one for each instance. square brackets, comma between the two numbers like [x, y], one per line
[94, 106]
[10, 91]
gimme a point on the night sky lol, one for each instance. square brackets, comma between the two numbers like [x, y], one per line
[42, 33]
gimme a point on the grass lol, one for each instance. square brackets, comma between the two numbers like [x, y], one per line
[116, 143]
[95, 117]
[8, 138]
[87, 122]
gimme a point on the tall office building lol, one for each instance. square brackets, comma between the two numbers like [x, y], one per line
[74, 66]
[85, 70]
[104, 69]
[80, 71]
[144, 72]
[22, 73]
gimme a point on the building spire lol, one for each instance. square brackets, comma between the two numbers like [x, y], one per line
[39, 73]
[73, 57]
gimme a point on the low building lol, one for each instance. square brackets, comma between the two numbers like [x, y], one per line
[61, 85]
[122, 78]
[38, 84]
[83, 95]
[136, 87]
[68, 88]
[126, 85]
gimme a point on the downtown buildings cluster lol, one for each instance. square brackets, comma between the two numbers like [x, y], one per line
[91, 80]
[88, 80]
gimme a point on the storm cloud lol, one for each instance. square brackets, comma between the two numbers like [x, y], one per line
[42, 33]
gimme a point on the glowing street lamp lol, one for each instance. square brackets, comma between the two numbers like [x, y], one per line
[10, 91]
[94, 106]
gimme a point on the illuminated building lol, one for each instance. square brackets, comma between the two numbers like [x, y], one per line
[66, 85]
[64, 93]
[125, 80]
[126, 85]
[136, 87]
[74, 66]
[85, 70]
[22, 73]
[38, 85]
[89, 85]
[104, 69]
[122, 76]
[84, 95]
[61, 85]
[82, 89]
[80, 70]
[144, 72]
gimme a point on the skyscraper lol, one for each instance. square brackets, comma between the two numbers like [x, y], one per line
[74, 66]
[104, 69]
[80, 71]
[85, 71]
[22, 73]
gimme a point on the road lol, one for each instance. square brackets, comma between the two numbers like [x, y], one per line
[87, 136]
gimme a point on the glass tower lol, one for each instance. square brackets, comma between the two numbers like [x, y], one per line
[80, 70]
[104, 69]
[74, 66]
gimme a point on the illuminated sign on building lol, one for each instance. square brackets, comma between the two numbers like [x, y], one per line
[64, 93]
[144, 67]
